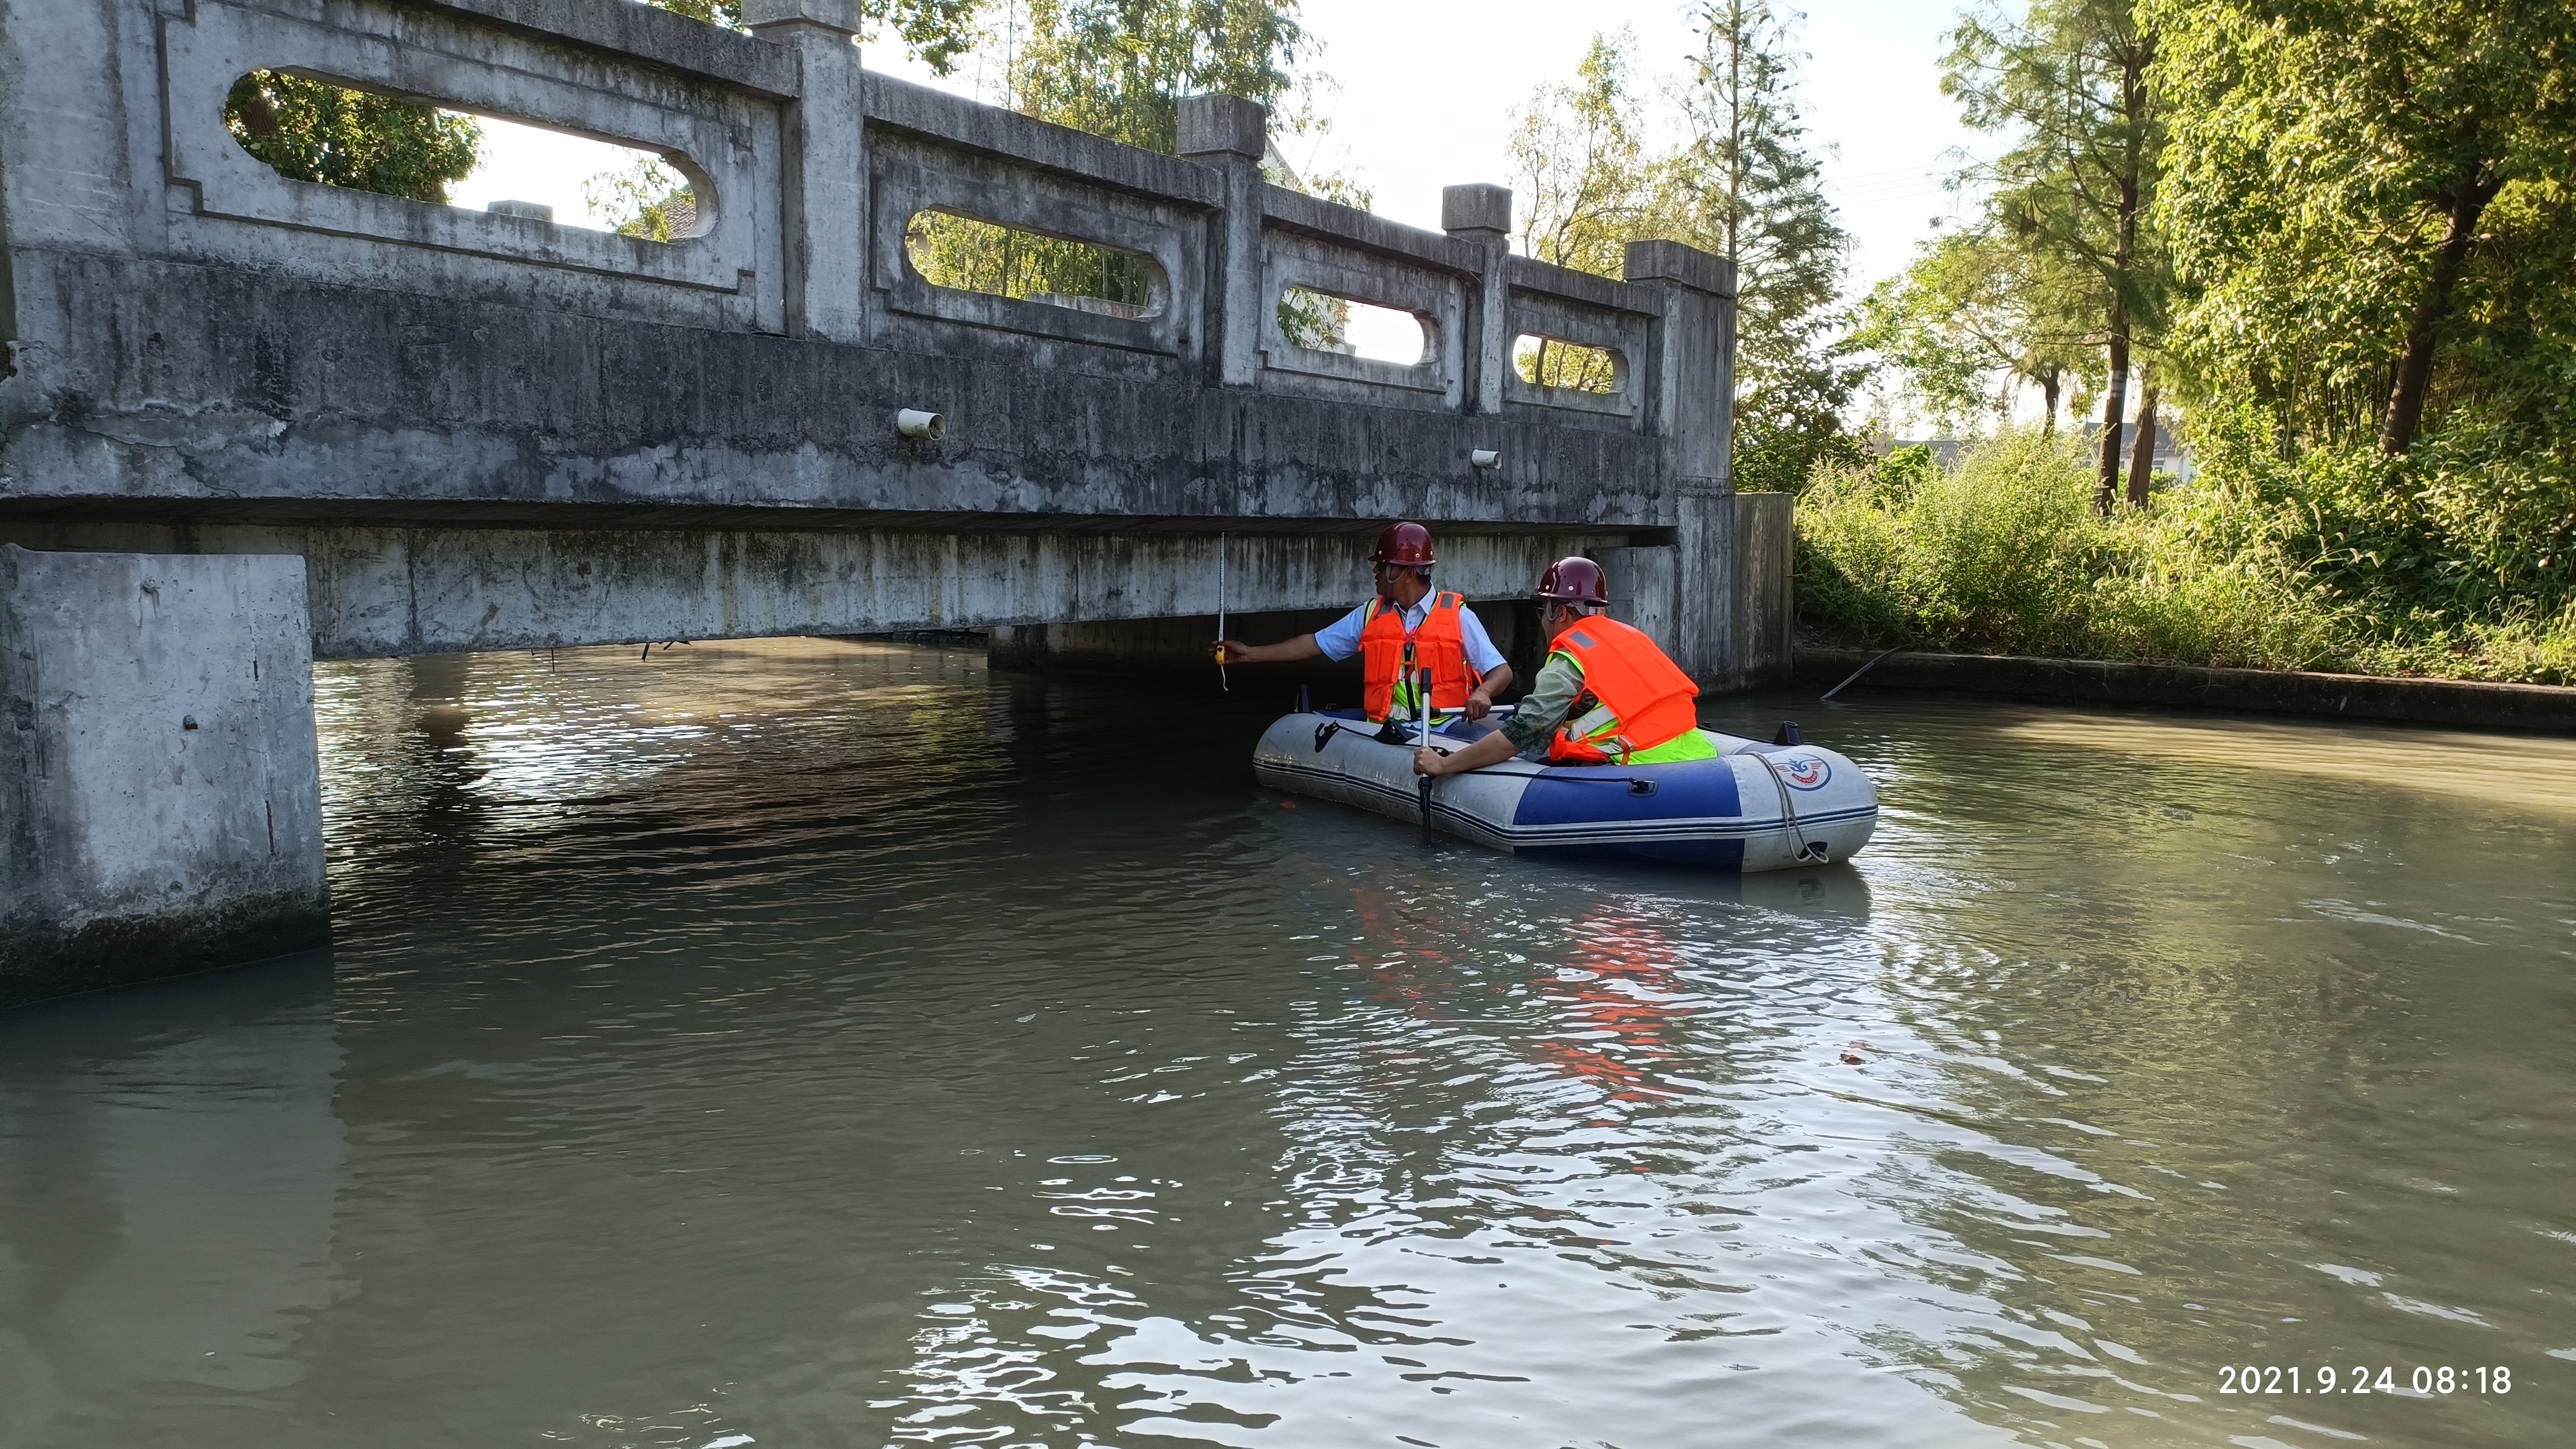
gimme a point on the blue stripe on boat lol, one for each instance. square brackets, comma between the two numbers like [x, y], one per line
[1594, 800]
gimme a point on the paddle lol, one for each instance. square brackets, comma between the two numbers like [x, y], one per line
[1422, 712]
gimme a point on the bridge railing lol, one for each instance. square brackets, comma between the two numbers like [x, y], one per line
[811, 182]
[716, 119]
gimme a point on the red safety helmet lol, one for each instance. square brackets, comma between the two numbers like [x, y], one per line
[1575, 580]
[1408, 544]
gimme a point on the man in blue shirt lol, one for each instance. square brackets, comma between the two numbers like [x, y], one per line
[1385, 626]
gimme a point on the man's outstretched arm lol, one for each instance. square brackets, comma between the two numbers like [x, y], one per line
[1286, 652]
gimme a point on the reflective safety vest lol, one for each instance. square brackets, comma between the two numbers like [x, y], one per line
[1388, 652]
[1636, 704]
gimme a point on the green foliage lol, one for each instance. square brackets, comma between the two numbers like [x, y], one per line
[2361, 184]
[1789, 428]
[1548, 362]
[977, 256]
[2066, 85]
[313, 131]
[936, 31]
[1118, 68]
[1742, 186]
[1314, 319]
[651, 200]
[1976, 303]
[2455, 562]
[1582, 178]
[1748, 187]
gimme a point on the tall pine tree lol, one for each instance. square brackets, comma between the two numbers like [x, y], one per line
[1748, 187]
[1752, 191]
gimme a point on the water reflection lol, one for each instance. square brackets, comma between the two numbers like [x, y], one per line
[166, 1178]
[814, 1043]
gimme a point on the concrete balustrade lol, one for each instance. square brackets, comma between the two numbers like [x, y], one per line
[471, 429]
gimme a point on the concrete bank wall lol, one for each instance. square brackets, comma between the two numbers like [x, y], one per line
[2538, 708]
[160, 802]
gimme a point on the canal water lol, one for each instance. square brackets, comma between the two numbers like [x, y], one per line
[835, 1044]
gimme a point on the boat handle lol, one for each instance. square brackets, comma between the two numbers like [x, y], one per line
[1638, 785]
[1324, 734]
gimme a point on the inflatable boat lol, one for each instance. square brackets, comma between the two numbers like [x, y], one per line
[1757, 806]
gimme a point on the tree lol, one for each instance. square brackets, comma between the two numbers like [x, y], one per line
[1748, 189]
[2068, 86]
[1742, 186]
[654, 201]
[1579, 164]
[1976, 303]
[1587, 187]
[2366, 188]
[314, 131]
[1118, 68]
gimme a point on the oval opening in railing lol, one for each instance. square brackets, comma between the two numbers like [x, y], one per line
[317, 130]
[1554, 362]
[1323, 322]
[968, 254]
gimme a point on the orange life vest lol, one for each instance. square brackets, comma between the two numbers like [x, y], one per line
[1438, 645]
[1646, 694]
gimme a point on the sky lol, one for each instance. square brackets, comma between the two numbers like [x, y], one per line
[1423, 90]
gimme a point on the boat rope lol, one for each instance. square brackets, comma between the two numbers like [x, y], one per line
[1807, 850]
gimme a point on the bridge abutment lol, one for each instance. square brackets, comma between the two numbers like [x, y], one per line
[160, 789]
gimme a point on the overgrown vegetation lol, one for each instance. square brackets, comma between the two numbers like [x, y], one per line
[2336, 232]
[2339, 561]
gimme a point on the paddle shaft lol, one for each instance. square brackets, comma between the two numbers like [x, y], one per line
[1422, 735]
[1221, 682]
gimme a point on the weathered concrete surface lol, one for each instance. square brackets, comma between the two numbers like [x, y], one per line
[224, 358]
[1689, 381]
[407, 591]
[1765, 580]
[2535, 707]
[160, 803]
[483, 430]
[1178, 649]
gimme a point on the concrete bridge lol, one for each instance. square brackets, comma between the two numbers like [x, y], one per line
[251, 421]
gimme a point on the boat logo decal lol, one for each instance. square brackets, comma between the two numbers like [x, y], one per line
[1805, 772]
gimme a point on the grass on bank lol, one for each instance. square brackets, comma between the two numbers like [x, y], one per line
[2455, 564]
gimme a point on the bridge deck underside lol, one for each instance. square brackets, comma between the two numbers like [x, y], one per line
[379, 591]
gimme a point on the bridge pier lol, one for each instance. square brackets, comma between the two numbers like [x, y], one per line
[160, 790]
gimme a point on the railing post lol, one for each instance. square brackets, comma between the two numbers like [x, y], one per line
[1690, 396]
[1481, 215]
[825, 176]
[1231, 133]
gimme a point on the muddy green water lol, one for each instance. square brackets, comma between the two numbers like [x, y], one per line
[834, 1045]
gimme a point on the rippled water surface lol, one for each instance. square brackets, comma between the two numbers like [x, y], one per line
[832, 1044]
